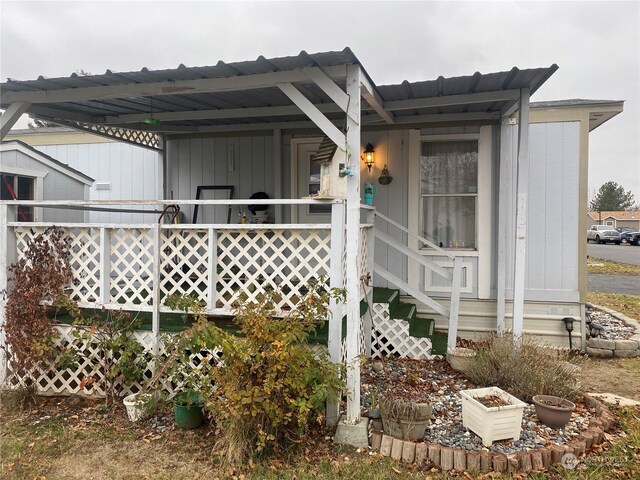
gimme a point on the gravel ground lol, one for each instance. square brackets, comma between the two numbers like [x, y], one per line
[436, 381]
[614, 329]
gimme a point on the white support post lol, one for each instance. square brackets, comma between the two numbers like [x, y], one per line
[455, 302]
[157, 275]
[353, 242]
[105, 265]
[521, 215]
[335, 307]
[11, 116]
[503, 194]
[4, 268]
[368, 318]
[277, 167]
[213, 268]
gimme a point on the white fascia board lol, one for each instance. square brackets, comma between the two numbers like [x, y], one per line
[450, 100]
[6, 147]
[25, 172]
[205, 85]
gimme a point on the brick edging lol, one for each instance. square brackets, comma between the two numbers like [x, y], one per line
[538, 459]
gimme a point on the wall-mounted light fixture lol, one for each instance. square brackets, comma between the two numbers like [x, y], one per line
[368, 156]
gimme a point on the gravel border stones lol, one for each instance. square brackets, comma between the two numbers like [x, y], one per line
[524, 461]
[620, 338]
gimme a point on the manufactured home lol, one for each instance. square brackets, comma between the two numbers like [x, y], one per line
[451, 207]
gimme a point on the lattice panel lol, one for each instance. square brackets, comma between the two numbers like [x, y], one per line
[88, 379]
[363, 252]
[85, 263]
[184, 263]
[136, 137]
[131, 266]
[390, 337]
[284, 260]
[84, 259]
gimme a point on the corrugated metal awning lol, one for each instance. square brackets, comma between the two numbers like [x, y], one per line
[165, 100]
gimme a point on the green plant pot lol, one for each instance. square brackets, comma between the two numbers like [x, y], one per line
[187, 408]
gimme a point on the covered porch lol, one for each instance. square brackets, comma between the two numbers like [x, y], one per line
[282, 100]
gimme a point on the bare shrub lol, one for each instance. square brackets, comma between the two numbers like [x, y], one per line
[530, 369]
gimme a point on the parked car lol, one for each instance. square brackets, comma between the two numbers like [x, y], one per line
[634, 238]
[603, 234]
[626, 233]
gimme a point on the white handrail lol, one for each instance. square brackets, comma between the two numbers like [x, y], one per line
[243, 201]
[414, 255]
[422, 239]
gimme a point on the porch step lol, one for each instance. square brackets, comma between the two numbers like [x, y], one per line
[386, 295]
[439, 343]
[418, 327]
[422, 327]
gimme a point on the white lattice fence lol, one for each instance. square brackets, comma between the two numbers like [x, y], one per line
[286, 260]
[132, 266]
[363, 260]
[184, 263]
[84, 259]
[88, 377]
[390, 337]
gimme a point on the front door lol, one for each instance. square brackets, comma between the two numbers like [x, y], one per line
[307, 181]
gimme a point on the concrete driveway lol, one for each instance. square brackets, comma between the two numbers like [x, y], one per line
[624, 253]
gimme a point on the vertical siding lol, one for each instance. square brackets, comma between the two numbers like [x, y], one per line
[135, 173]
[553, 210]
[207, 161]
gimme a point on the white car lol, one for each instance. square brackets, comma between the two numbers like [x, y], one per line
[603, 234]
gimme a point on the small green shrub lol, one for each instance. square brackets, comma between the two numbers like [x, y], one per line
[120, 358]
[524, 371]
[269, 387]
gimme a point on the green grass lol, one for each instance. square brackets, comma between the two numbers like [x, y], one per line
[57, 448]
[607, 267]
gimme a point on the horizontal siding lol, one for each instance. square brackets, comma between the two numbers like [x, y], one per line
[541, 319]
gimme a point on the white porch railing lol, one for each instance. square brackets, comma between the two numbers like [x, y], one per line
[134, 267]
[455, 276]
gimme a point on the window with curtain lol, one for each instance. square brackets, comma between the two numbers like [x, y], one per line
[449, 193]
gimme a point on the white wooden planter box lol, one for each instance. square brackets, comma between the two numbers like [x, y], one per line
[492, 423]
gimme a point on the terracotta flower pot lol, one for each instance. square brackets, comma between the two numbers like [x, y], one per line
[553, 411]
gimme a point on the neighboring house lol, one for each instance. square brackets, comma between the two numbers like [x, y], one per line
[458, 231]
[629, 218]
[122, 171]
[30, 174]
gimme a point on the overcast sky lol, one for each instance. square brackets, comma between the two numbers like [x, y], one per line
[596, 45]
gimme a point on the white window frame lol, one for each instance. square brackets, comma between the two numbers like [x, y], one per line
[38, 188]
[436, 139]
[484, 206]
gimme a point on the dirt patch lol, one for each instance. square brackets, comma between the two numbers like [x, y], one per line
[619, 375]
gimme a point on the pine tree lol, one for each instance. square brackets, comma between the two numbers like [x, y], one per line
[612, 197]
